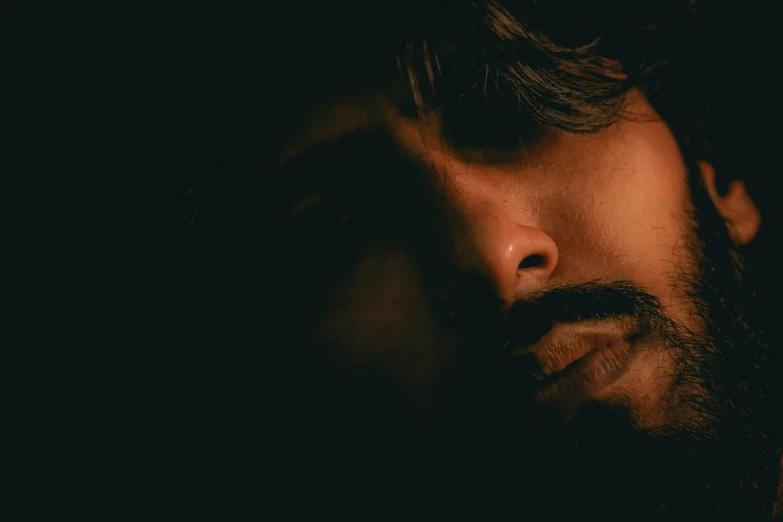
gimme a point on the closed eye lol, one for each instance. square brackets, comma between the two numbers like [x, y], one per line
[301, 208]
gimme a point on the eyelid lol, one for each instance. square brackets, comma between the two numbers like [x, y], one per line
[494, 156]
[494, 150]
[301, 207]
[307, 202]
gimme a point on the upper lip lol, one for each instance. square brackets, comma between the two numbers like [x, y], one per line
[567, 343]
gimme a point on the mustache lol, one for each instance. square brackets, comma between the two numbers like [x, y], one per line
[528, 319]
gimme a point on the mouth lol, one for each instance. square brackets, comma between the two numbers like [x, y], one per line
[577, 361]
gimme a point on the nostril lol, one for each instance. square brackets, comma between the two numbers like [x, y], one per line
[531, 261]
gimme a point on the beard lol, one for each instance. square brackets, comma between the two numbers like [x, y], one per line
[716, 458]
[718, 455]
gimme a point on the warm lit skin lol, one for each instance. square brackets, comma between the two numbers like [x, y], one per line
[565, 210]
[572, 209]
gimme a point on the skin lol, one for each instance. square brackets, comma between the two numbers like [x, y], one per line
[564, 210]
[572, 209]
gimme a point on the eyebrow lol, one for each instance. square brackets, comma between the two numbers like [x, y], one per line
[334, 152]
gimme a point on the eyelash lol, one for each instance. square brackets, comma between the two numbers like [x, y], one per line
[494, 156]
[492, 148]
[301, 208]
[325, 216]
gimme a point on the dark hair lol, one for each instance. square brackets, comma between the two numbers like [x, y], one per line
[493, 68]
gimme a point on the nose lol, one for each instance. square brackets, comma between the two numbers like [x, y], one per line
[515, 258]
[490, 230]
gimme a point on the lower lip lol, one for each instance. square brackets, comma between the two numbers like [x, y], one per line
[588, 376]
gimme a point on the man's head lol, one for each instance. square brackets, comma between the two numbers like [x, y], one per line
[492, 225]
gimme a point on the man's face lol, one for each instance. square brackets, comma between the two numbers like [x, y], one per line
[537, 288]
[565, 211]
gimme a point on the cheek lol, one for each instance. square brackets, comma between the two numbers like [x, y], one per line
[380, 326]
[622, 214]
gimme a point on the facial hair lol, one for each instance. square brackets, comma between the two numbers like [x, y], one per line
[717, 460]
[719, 457]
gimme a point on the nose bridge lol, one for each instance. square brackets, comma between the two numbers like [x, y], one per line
[499, 237]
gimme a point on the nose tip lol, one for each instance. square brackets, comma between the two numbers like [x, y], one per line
[516, 258]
